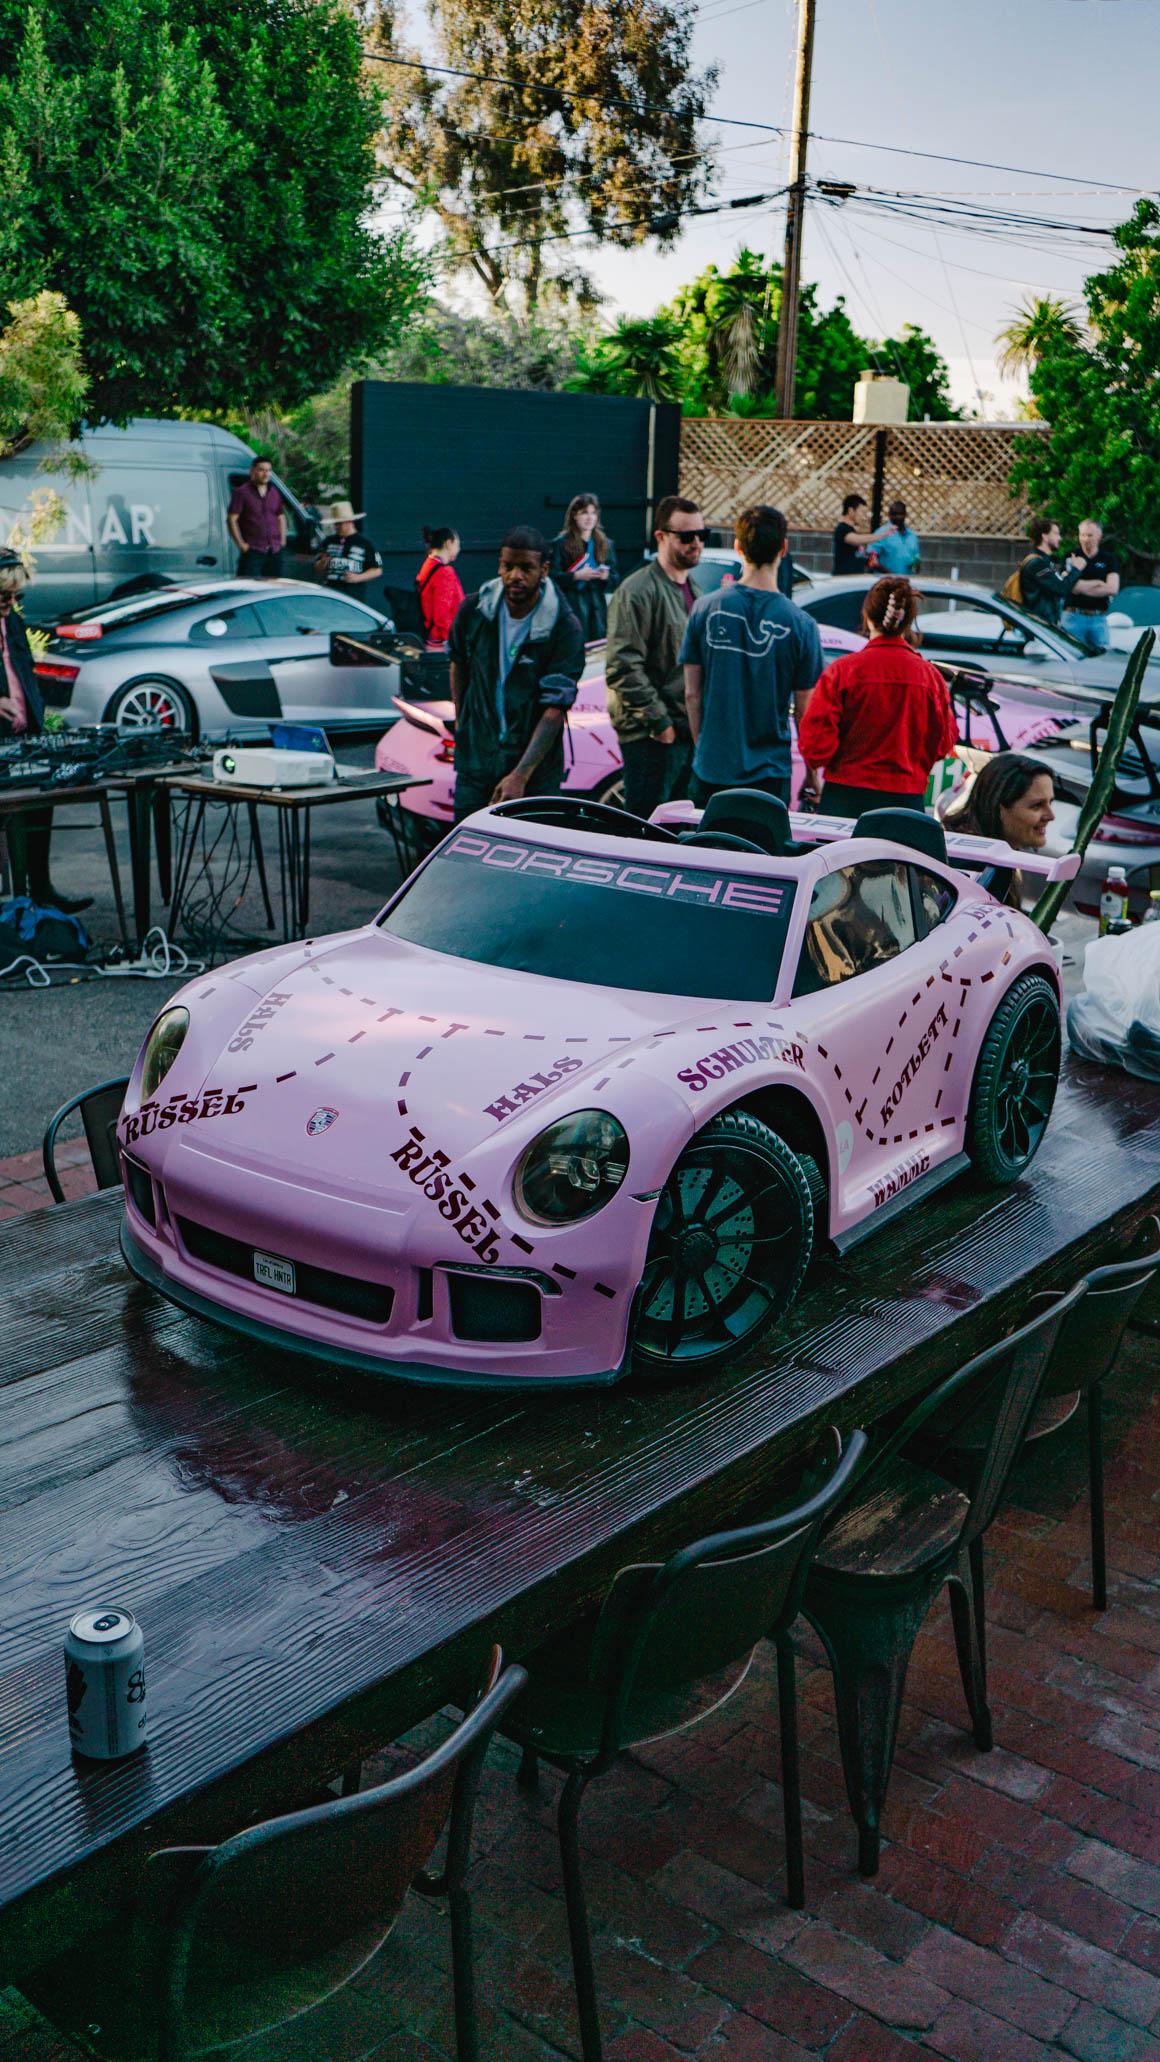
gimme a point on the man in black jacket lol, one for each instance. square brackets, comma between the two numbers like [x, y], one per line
[22, 715]
[1045, 586]
[517, 653]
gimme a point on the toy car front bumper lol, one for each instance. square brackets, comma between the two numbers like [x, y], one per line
[500, 1371]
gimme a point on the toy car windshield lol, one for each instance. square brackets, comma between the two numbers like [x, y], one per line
[668, 929]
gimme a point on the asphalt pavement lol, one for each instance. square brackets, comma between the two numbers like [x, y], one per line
[56, 1042]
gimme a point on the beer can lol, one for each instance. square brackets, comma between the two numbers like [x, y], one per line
[104, 1658]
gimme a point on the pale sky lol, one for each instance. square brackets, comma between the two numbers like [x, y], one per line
[1049, 87]
[1061, 86]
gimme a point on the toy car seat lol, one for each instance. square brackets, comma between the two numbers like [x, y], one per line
[750, 813]
[904, 827]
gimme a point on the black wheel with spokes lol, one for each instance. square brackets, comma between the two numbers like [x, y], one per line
[1016, 1076]
[731, 1240]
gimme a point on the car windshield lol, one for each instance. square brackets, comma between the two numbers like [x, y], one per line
[668, 928]
[1033, 626]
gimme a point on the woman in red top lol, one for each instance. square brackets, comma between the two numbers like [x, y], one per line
[878, 719]
[440, 587]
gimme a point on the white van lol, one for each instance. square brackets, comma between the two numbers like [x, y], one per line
[156, 505]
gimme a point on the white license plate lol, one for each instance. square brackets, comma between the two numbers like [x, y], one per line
[274, 1273]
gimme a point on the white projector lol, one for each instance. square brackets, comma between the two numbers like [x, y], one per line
[265, 766]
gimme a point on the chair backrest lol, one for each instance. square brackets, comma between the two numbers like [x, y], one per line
[100, 1108]
[1090, 1337]
[751, 813]
[905, 827]
[708, 1605]
[726, 841]
[284, 1914]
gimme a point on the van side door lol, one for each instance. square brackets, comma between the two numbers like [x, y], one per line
[152, 519]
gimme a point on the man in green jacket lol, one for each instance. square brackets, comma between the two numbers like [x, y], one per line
[517, 653]
[644, 680]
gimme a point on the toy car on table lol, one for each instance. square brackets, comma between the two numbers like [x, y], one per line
[590, 1091]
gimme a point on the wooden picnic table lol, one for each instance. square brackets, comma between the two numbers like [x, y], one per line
[318, 1561]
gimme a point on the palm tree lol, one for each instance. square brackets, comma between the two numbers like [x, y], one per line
[735, 314]
[1040, 322]
[638, 357]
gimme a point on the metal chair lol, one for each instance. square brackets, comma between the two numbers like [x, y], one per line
[669, 1644]
[904, 1533]
[228, 1942]
[1085, 1353]
[100, 1109]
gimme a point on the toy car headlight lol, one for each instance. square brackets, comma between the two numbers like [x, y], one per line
[572, 1169]
[161, 1049]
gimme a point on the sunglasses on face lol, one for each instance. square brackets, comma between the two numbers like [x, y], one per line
[688, 536]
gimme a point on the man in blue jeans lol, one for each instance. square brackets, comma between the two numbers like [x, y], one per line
[1086, 614]
[748, 655]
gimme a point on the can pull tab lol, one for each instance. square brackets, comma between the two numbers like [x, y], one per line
[108, 1623]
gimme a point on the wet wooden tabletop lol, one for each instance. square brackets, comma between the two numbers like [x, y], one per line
[319, 1561]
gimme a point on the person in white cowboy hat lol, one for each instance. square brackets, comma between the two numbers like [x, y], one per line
[348, 558]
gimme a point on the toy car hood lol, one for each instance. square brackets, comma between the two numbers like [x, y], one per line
[357, 1045]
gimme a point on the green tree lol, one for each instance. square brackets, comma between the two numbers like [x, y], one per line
[195, 178]
[512, 172]
[42, 379]
[42, 394]
[638, 355]
[1100, 392]
[913, 356]
[727, 323]
[1040, 322]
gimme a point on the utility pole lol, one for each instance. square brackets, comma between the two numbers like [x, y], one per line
[787, 331]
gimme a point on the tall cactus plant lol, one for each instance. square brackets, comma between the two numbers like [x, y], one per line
[1100, 792]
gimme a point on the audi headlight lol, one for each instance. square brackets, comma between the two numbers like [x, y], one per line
[572, 1169]
[161, 1049]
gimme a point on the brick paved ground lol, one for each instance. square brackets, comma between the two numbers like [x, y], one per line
[1017, 1913]
[22, 1182]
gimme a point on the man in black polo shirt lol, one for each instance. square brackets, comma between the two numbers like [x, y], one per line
[847, 537]
[1086, 614]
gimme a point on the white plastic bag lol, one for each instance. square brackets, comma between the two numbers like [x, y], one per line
[1117, 1018]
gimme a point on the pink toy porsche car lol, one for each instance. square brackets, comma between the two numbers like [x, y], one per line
[515, 1131]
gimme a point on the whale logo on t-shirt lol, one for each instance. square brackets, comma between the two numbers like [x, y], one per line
[726, 632]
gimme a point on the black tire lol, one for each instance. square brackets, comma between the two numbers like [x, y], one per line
[704, 1297]
[152, 704]
[610, 790]
[1016, 1076]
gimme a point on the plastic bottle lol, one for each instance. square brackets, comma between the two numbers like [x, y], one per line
[1152, 913]
[1114, 900]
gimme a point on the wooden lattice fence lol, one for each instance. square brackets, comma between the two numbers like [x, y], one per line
[952, 476]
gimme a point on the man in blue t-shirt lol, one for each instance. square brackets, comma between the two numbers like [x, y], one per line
[748, 654]
[896, 545]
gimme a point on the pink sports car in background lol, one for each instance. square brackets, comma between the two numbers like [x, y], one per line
[422, 742]
[515, 1130]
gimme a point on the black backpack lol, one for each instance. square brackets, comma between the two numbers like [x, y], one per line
[404, 605]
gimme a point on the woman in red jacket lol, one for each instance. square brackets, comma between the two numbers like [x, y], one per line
[440, 587]
[878, 719]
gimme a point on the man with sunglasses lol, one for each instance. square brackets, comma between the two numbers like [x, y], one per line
[644, 679]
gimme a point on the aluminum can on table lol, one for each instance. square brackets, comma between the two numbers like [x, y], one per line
[104, 1656]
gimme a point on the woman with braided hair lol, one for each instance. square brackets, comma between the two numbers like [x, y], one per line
[879, 719]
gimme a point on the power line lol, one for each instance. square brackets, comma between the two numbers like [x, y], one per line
[416, 64]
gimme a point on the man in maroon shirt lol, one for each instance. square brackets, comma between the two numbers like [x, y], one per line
[257, 520]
